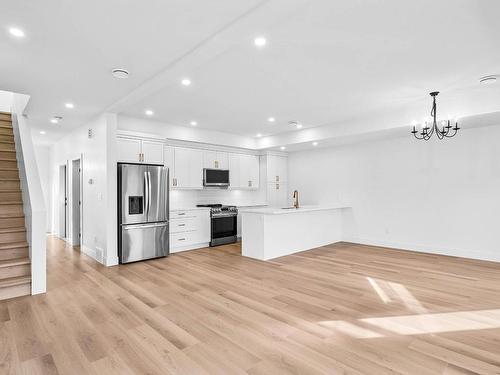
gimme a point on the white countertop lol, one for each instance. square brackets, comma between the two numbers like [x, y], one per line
[281, 211]
[189, 208]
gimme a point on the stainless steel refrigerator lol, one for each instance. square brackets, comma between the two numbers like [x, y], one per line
[143, 208]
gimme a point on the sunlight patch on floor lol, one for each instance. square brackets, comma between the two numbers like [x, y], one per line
[438, 323]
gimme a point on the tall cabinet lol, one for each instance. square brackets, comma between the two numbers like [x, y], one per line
[276, 172]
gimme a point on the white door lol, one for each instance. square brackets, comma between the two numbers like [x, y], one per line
[152, 152]
[129, 150]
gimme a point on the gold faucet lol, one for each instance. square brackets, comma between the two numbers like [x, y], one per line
[296, 198]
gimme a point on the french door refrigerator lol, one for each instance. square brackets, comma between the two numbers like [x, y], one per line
[143, 208]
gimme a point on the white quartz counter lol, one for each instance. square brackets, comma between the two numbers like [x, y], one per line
[190, 208]
[272, 232]
[287, 210]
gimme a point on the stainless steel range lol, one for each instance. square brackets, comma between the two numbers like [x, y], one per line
[224, 221]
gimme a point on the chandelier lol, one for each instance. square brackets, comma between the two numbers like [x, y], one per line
[428, 130]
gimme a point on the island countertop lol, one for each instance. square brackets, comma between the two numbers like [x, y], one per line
[288, 210]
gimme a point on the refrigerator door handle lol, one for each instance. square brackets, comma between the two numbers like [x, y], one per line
[144, 226]
[146, 197]
[149, 193]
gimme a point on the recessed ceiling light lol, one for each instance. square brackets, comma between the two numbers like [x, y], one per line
[315, 143]
[259, 135]
[55, 119]
[298, 126]
[193, 123]
[260, 41]
[120, 73]
[282, 148]
[69, 105]
[186, 81]
[149, 112]
[271, 119]
[18, 33]
[486, 80]
[42, 132]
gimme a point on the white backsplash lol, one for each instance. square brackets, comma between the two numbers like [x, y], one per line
[190, 198]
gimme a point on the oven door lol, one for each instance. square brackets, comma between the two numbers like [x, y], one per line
[224, 230]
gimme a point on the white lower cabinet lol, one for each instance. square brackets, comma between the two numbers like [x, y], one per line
[189, 229]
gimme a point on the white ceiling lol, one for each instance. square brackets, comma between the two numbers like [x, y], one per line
[326, 62]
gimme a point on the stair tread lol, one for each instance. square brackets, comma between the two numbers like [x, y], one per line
[13, 245]
[12, 230]
[12, 281]
[14, 262]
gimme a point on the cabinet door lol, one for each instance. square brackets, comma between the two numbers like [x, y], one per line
[276, 194]
[283, 168]
[254, 171]
[153, 152]
[234, 171]
[222, 159]
[215, 159]
[168, 158]
[129, 150]
[209, 159]
[196, 169]
[188, 168]
[277, 168]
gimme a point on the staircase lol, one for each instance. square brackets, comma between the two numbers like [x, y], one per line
[15, 268]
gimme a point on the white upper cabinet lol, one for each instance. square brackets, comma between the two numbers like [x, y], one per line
[188, 168]
[215, 159]
[129, 150]
[234, 171]
[243, 171]
[249, 171]
[152, 152]
[135, 150]
[277, 169]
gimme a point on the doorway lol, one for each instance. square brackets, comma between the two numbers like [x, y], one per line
[76, 202]
[63, 202]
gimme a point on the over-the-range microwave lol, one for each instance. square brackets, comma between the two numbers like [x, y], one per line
[216, 177]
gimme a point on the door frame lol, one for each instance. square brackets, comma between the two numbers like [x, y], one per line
[77, 201]
[62, 229]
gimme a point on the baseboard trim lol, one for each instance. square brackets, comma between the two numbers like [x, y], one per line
[458, 253]
[91, 253]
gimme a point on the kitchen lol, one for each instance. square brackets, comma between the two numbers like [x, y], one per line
[207, 186]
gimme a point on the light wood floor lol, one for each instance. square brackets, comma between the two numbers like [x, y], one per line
[338, 309]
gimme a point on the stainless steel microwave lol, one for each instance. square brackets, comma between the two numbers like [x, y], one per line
[216, 177]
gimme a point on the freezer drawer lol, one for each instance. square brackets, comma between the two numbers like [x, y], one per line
[143, 241]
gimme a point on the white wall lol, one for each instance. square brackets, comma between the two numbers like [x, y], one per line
[437, 196]
[43, 156]
[99, 185]
[5, 101]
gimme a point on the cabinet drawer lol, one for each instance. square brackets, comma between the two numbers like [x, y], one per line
[182, 239]
[182, 214]
[182, 225]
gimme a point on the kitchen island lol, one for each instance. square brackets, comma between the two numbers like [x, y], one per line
[273, 232]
